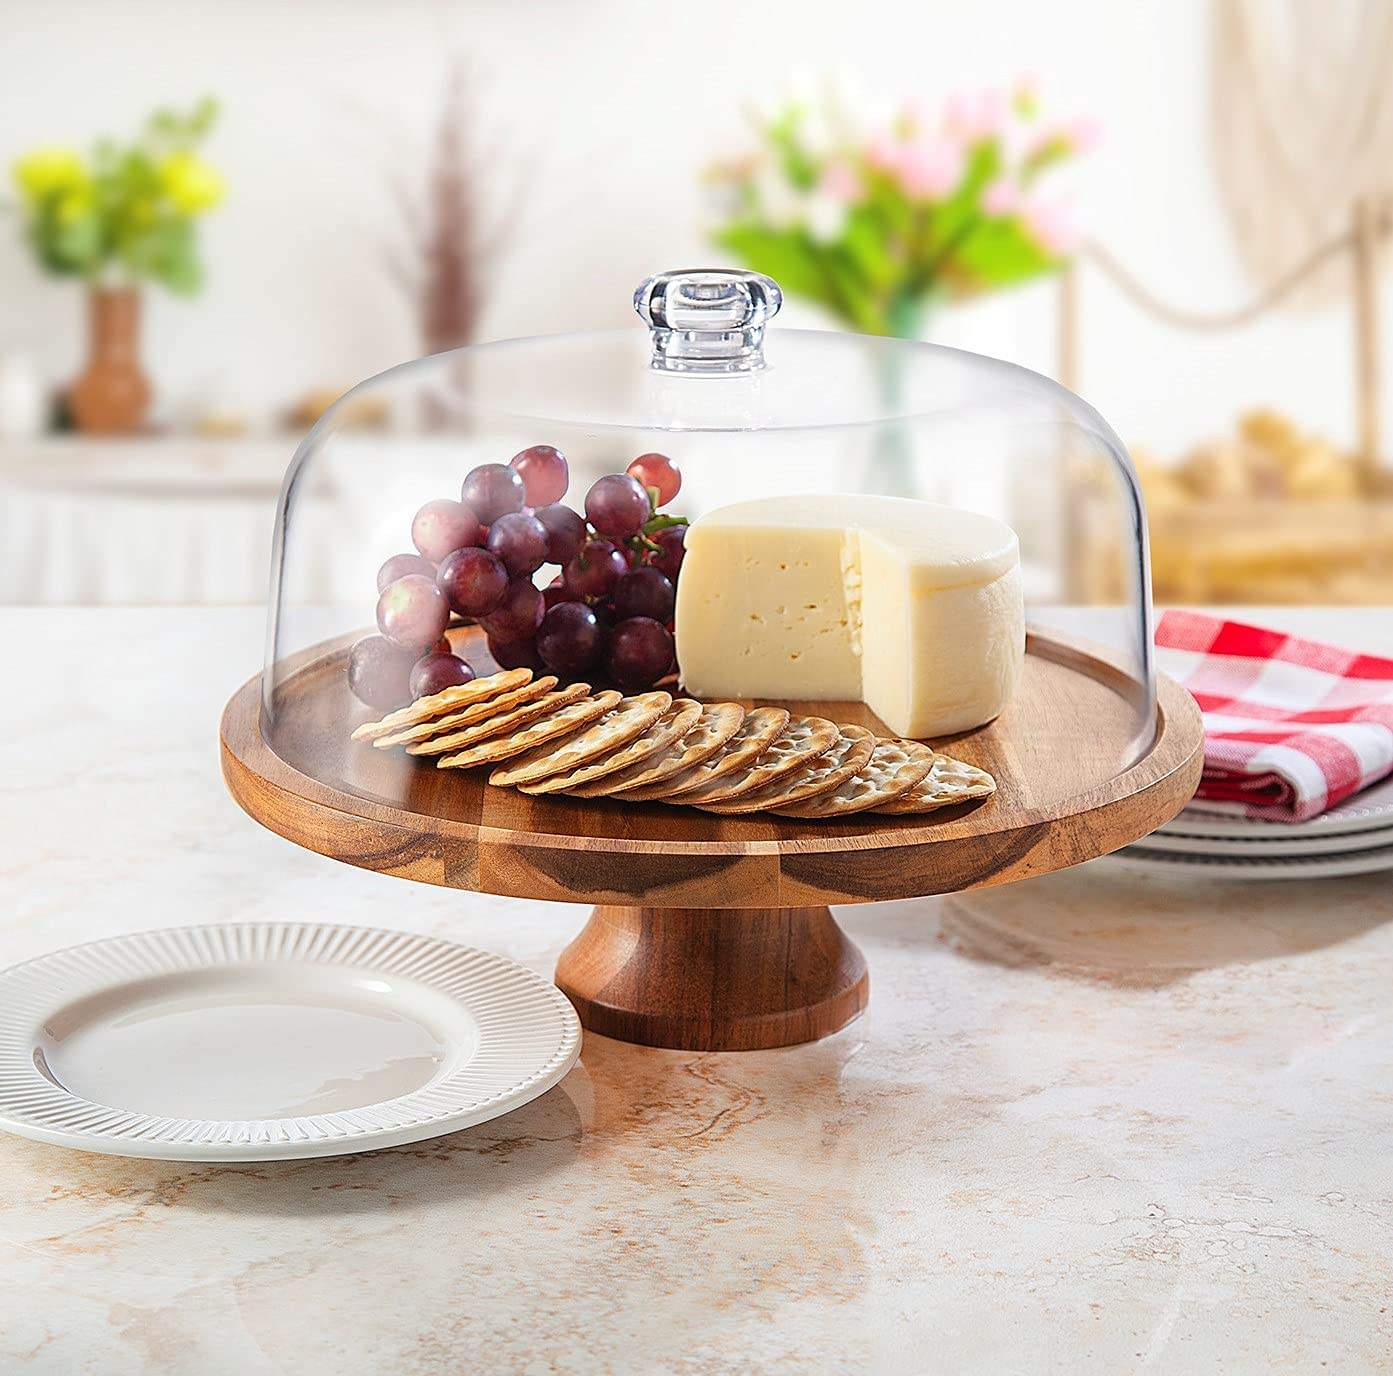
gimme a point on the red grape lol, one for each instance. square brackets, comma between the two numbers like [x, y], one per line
[657, 470]
[493, 490]
[442, 526]
[639, 653]
[644, 592]
[379, 673]
[569, 639]
[595, 570]
[555, 593]
[413, 612]
[518, 615]
[616, 505]
[519, 539]
[434, 672]
[516, 654]
[473, 580]
[544, 472]
[443, 646]
[399, 565]
[672, 546]
[565, 532]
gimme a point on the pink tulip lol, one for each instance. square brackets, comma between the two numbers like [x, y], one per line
[1077, 136]
[1001, 198]
[884, 152]
[1051, 227]
[930, 170]
[840, 183]
[1084, 135]
[975, 117]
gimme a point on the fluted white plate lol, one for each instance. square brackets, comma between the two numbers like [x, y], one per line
[1269, 847]
[254, 1041]
[1142, 860]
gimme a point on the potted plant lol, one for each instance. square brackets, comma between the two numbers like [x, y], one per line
[120, 215]
[879, 224]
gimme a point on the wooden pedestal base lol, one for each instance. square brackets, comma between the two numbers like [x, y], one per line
[702, 979]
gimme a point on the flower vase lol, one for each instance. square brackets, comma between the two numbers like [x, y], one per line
[112, 395]
[892, 454]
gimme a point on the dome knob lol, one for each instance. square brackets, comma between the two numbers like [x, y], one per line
[708, 320]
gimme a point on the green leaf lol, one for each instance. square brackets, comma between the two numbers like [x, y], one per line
[1000, 255]
[783, 254]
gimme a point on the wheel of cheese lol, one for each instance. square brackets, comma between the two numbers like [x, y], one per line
[912, 607]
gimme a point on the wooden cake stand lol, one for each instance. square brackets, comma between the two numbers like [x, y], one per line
[713, 933]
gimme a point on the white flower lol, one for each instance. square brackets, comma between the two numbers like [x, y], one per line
[779, 203]
[824, 216]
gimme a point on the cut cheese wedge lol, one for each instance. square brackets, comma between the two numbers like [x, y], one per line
[911, 607]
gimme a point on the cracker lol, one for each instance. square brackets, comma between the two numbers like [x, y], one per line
[749, 742]
[803, 739]
[502, 723]
[665, 732]
[895, 767]
[949, 781]
[562, 721]
[447, 700]
[627, 719]
[718, 722]
[819, 775]
[475, 712]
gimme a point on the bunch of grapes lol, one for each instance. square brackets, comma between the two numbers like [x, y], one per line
[608, 614]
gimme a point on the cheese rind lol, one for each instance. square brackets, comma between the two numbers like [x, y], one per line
[912, 607]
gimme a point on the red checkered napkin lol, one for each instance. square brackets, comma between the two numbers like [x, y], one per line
[1291, 726]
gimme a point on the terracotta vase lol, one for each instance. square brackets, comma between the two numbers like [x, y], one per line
[112, 395]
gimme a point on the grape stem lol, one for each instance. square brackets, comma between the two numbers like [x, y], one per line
[656, 523]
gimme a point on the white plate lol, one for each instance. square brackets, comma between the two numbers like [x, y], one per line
[1265, 847]
[1144, 861]
[1369, 810]
[254, 1041]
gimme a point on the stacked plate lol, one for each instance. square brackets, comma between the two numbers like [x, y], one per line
[1353, 838]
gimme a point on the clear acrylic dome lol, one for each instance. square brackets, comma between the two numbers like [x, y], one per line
[745, 413]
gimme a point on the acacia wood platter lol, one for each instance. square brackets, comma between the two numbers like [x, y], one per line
[713, 933]
[1066, 792]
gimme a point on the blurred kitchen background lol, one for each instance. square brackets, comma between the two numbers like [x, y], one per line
[304, 195]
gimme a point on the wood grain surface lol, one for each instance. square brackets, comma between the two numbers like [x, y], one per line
[698, 979]
[1069, 789]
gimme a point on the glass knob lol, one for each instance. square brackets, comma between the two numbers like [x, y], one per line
[708, 320]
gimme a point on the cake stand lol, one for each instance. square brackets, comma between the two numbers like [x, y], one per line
[714, 933]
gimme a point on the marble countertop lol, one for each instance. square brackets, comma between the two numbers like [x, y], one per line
[1089, 1123]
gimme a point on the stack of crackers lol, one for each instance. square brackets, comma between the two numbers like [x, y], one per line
[542, 738]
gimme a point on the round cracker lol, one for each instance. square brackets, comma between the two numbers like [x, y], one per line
[627, 719]
[665, 732]
[560, 722]
[949, 781]
[760, 727]
[502, 724]
[894, 768]
[803, 739]
[822, 774]
[468, 716]
[718, 722]
[447, 700]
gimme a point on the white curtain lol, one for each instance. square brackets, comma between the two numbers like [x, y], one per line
[1302, 109]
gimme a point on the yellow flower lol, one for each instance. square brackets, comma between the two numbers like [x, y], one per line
[74, 204]
[190, 183]
[47, 171]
